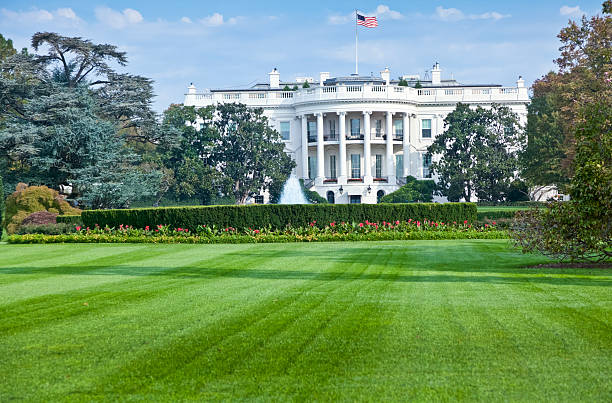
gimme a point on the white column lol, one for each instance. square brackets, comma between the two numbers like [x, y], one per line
[367, 158]
[406, 145]
[415, 137]
[342, 151]
[304, 147]
[320, 151]
[390, 165]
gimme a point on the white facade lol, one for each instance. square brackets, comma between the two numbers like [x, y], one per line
[356, 138]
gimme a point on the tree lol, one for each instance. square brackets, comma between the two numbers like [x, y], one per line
[477, 153]
[6, 48]
[412, 192]
[541, 161]
[580, 229]
[418, 84]
[247, 151]
[62, 109]
[402, 82]
[305, 85]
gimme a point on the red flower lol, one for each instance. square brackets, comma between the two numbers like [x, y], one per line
[256, 231]
[78, 228]
[333, 224]
[396, 222]
[494, 223]
[361, 224]
[147, 228]
[465, 222]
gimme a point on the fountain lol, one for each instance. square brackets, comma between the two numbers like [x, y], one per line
[292, 192]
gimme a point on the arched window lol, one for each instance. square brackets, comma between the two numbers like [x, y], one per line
[331, 198]
[379, 195]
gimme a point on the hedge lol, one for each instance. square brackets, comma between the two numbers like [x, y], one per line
[513, 204]
[278, 216]
[69, 219]
[496, 215]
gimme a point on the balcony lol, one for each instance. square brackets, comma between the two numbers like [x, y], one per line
[354, 136]
[366, 92]
[330, 137]
[312, 139]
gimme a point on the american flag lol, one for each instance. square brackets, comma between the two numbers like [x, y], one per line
[369, 22]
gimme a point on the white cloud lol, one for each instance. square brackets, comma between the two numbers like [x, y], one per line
[116, 19]
[186, 20]
[217, 20]
[382, 11]
[40, 15]
[454, 14]
[449, 14]
[571, 11]
[66, 13]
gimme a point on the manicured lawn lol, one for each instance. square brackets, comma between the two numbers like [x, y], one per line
[412, 320]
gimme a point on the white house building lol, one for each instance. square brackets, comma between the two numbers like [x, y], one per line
[356, 138]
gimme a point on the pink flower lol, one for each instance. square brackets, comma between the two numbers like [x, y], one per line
[494, 223]
[147, 228]
[396, 222]
[333, 224]
[78, 228]
[465, 222]
[361, 224]
[256, 231]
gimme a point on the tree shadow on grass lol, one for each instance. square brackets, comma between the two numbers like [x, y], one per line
[414, 276]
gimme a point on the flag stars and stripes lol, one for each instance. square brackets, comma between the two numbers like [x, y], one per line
[368, 22]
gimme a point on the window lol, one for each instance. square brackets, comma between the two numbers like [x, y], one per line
[332, 167]
[378, 127]
[312, 166]
[312, 131]
[331, 198]
[285, 128]
[378, 173]
[355, 166]
[355, 129]
[398, 128]
[399, 166]
[426, 128]
[332, 128]
[259, 199]
[355, 199]
[426, 164]
[379, 195]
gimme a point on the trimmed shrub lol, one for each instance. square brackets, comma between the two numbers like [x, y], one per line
[46, 229]
[496, 215]
[69, 219]
[512, 204]
[30, 199]
[278, 216]
[1, 206]
[40, 218]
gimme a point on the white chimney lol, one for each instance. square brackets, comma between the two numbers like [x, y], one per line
[436, 74]
[520, 83]
[324, 75]
[191, 89]
[274, 78]
[386, 75]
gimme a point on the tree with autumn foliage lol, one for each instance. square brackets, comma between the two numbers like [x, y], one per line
[582, 114]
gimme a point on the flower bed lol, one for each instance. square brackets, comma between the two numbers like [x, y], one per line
[363, 231]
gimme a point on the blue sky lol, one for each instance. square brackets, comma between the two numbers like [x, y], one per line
[233, 43]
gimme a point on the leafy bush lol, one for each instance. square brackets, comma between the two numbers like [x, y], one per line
[46, 229]
[413, 191]
[30, 199]
[495, 215]
[40, 218]
[561, 232]
[512, 204]
[278, 216]
[69, 219]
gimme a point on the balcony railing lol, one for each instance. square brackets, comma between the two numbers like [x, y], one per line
[464, 94]
[354, 136]
[330, 137]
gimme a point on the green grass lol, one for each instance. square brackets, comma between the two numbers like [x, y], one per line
[379, 321]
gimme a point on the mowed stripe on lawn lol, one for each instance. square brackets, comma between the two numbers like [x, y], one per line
[352, 321]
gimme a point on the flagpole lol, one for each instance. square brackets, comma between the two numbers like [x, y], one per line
[356, 43]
